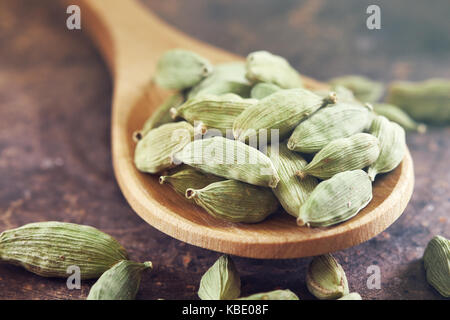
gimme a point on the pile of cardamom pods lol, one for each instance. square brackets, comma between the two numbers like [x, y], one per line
[241, 138]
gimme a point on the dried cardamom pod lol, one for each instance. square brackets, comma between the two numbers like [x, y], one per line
[225, 78]
[397, 115]
[345, 154]
[49, 248]
[180, 69]
[333, 122]
[351, 296]
[235, 201]
[121, 282]
[342, 95]
[161, 115]
[436, 259]
[218, 112]
[154, 152]
[427, 101]
[364, 89]
[326, 279]
[392, 146]
[263, 89]
[230, 159]
[336, 200]
[263, 66]
[221, 281]
[272, 295]
[291, 191]
[282, 111]
[188, 177]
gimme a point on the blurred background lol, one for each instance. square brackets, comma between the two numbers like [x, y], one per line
[325, 38]
[55, 161]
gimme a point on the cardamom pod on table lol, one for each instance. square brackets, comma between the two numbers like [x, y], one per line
[221, 281]
[121, 282]
[326, 278]
[436, 259]
[49, 248]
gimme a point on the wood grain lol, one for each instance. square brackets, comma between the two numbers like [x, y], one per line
[132, 39]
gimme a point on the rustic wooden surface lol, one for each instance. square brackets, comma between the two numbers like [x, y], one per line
[55, 97]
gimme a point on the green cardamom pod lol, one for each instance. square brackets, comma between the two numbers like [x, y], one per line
[345, 154]
[397, 115]
[235, 201]
[221, 281]
[342, 95]
[281, 111]
[392, 146]
[49, 248]
[336, 200]
[351, 296]
[263, 89]
[215, 112]
[291, 191]
[436, 259]
[272, 295]
[230, 159]
[180, 69]
[326, 278]
[427, 101]
[263, 66]
[364, 89]
[188, 177]
[121, 282]
[225, 78]
[161, 115]
[154, 152]
[333, 122]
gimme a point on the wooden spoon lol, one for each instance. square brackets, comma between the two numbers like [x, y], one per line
[131, 40]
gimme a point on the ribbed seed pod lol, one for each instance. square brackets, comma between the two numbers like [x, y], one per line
[154, 152]
[333, 122]
[180, 69]
[326, 279]
[121, 282]
[263, 66]
[345, 154]
[364, 89]
[336, 199]
[351, 296]
[230, 159]
[282, 111]
[427, 101]
[235, 201]
[221, 281]
[161, 115]
[272, 295]
[49, 248]
[397, 115]
[291, 191]
[263, 89]
[436, 259]
[342, 95]
[214, 112]
[188, 177]
[392, 146]
[225, 78]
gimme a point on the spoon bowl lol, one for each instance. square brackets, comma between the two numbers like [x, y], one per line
[131, 39]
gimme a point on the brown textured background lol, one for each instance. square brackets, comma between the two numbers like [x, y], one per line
[55, 164]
